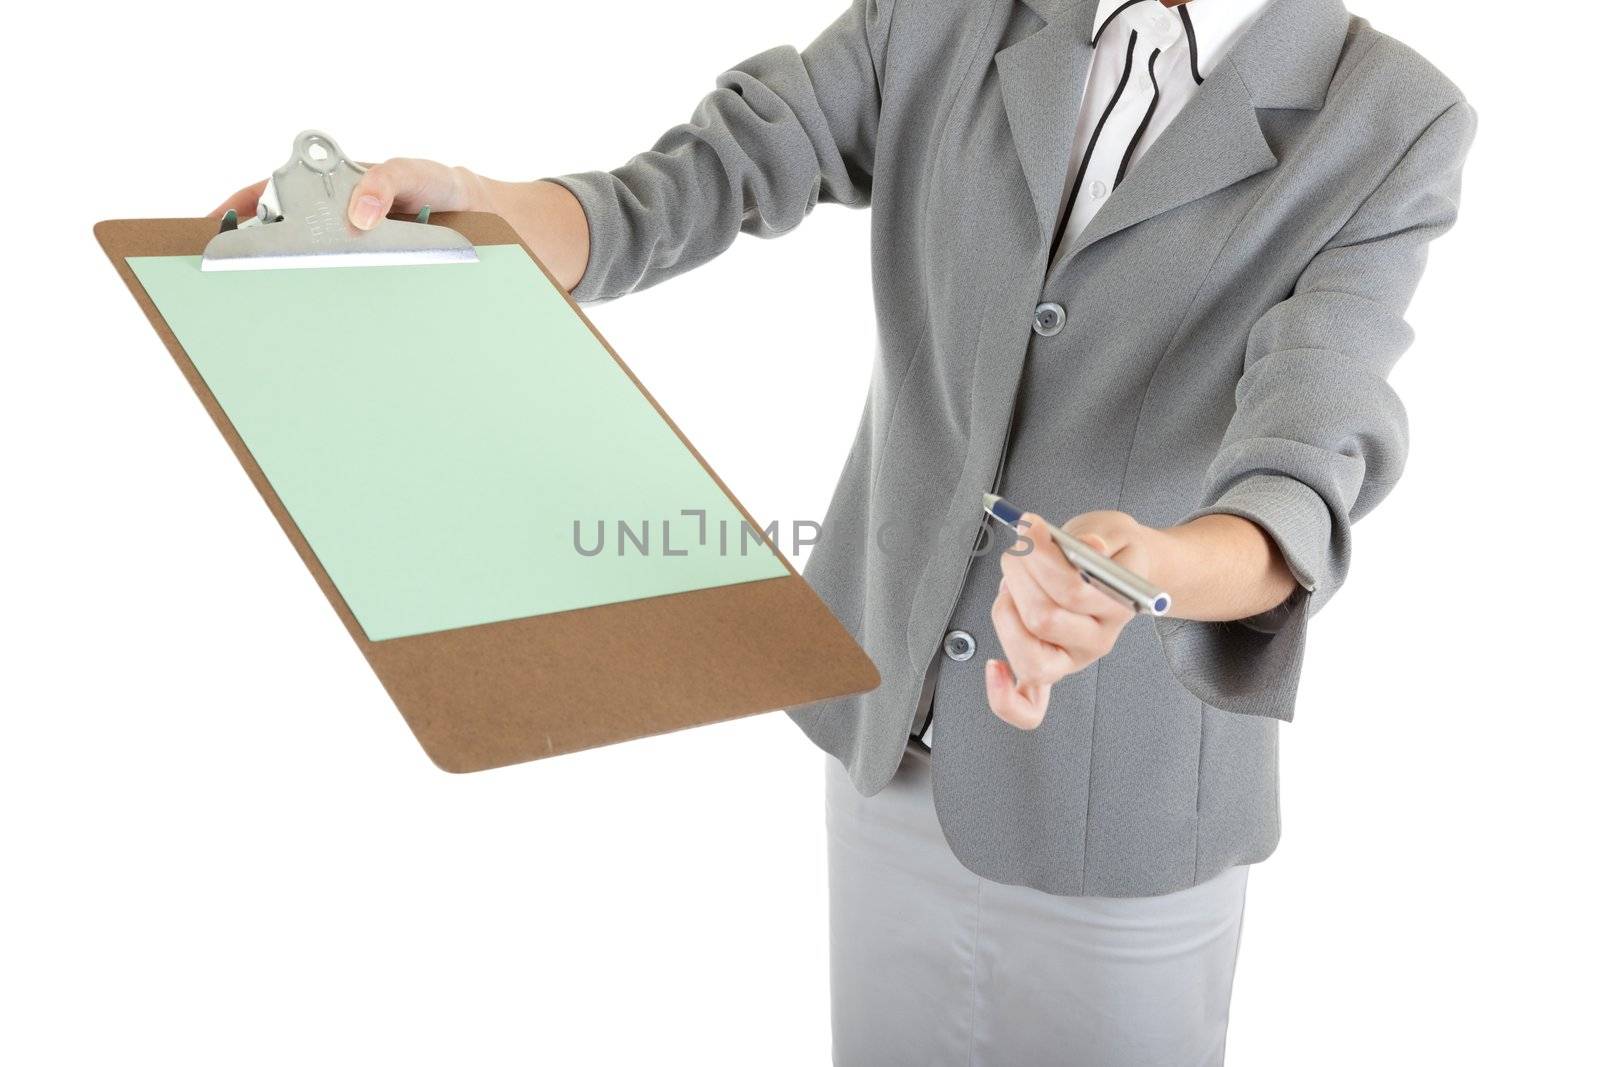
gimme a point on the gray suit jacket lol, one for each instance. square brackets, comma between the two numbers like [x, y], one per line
[1231, 316]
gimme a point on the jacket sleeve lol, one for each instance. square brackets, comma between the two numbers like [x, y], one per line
[781, 131]
[1318, 436]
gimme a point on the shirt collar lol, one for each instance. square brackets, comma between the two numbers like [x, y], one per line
[1217, 24]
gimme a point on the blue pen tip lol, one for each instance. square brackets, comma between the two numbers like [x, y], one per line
[1161, 605]
[1003, 509]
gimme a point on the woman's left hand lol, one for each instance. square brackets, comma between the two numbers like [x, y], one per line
[1050, 620]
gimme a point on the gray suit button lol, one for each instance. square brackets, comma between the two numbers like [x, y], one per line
[959, 645]
[1048, 319]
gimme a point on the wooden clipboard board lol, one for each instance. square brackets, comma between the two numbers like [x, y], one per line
[507, 692]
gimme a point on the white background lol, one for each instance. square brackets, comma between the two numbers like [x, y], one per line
[219, 844]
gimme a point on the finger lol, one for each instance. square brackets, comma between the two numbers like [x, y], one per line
[1101, 605]
[1022, 707]
[374, 196]
[1071, 587]
[1044, 617]
[1048, 566]
[244, 202]
[1063, 582]
[402, 185]
[1033, 661]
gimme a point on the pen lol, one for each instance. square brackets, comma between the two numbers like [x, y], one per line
[1114, 578]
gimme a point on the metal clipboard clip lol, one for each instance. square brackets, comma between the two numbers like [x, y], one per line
[301, 222]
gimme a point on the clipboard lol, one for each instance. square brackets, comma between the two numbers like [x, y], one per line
[519, 689]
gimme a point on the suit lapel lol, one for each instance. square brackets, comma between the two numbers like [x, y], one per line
[1214, 142]
[1285, 60]
[1041, 84]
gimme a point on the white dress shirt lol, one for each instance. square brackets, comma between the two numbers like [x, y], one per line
[1149, 60]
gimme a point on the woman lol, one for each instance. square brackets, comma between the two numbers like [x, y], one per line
[1141, 265]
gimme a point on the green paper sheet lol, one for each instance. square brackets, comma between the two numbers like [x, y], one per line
[436, 431]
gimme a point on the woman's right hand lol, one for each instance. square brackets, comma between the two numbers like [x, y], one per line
[547, 217]
[406, 185]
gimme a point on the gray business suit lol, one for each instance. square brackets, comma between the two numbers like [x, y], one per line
[1231, 315]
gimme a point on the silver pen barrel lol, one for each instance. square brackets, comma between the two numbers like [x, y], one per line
[1139, 593]
[1113, 577]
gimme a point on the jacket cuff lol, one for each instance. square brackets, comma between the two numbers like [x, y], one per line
[1292, 514]
[1253, 666]
[593, 190]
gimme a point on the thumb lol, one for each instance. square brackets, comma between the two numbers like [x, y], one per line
[373, 197]
[407, 185]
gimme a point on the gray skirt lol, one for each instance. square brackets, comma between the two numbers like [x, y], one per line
[933, 965]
